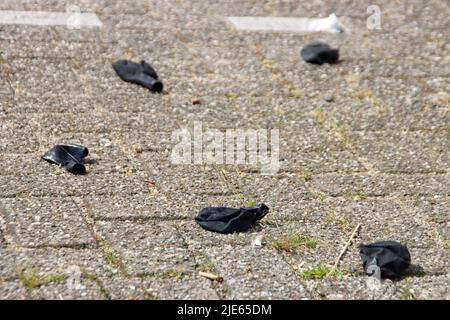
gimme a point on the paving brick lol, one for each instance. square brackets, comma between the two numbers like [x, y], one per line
[60, 183]
[382, 185]
[51, 261]
[45, 222]
[247, 273]
[161, 289]
[146, 248]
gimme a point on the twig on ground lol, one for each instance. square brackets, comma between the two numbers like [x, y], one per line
[349, 242]
[211, 276]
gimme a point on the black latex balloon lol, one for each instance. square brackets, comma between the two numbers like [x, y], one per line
[391, 257]
[68, 155]
[140, 73]
[228, 220]
[319, 53]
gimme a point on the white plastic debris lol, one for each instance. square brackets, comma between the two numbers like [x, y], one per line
[374, 282]
[329, 24]
[257, 242]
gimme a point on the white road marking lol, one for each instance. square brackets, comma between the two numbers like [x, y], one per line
[329, 24]
[46, 18]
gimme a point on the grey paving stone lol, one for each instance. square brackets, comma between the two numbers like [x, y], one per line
[87, 290]
[272, 191]
[52, 261]
[382, 185]
[157, 289]
[146, 247]
[27, 33]
[12, 290]
[249, 273]
[99, 161]
[184, 179]
[45, 222]
[135, 207]
[309, 163]
[61, 183]
[93, 123]
[377, 116]
[54, 286]
[404, 152]
[338, 289]
[428, 287]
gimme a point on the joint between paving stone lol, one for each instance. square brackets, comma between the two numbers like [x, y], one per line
[111, 256]
[204, 264]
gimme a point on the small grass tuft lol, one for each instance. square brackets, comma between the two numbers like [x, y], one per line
[296, 93]
[111, 256]
[171, 274]
[306, 174]
[231, 95]
[382, 108]
[250, 203]
[205, 266]
[150, 296]
[164, 274]
[56, 278]
[364, 94]
[31, 278]
[319, 271]
[293, 242]
[332, 218]
[359, 195]
[343, 133]
[407, 294]
[95, 278]
[319, 115]
[90, 276]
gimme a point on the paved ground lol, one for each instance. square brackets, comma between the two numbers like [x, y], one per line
[377, 154]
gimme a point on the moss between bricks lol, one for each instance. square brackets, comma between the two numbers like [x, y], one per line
[93, 277]
[31, 279]
[165, 274]
[319, 271]
[250, 203]
[205, 266]
[407, 294]
[293, 242]
[306, 174]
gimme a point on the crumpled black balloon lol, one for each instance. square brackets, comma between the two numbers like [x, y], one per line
[228, 220]
[319, 53]
[140, 73]
[68, 155]
[391, 257]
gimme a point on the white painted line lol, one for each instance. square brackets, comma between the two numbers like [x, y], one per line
[329, 24]
[47, 18]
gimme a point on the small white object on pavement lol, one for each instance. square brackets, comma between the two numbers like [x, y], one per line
[329, 24]
[257, 242]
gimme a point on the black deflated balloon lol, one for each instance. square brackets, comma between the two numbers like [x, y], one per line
[228, 220]
[319, 53]
[68, 155]
[391, 257]
[139, 73]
